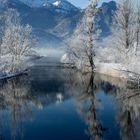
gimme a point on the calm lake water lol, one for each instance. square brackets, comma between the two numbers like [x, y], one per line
[53, 103]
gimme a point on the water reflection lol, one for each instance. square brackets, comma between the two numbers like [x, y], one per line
[128, 101]
[14, 98]
[88, 107]
[109, 108]
[129, 116]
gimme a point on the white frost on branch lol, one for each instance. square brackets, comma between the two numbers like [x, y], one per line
[17, 42]
[81, 45]
[123, 45]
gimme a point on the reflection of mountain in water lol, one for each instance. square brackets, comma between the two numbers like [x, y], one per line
[20, 97]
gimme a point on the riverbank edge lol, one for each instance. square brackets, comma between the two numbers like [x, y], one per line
[116, 70]
[13, 75]
[111, 69]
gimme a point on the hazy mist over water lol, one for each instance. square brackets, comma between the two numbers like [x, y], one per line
[50, 52]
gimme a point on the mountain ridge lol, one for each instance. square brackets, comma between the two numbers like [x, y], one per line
[52, 26]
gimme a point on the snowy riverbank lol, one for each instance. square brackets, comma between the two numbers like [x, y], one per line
[116, 70]
[107, 68]
[12, 75]
[21, 69]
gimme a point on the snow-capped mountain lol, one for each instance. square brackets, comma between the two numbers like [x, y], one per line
[50, 22]
[60, 5]
[39, 3]
[55, 20]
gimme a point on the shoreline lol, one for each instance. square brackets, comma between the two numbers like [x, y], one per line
[111, 70]
[116, 70]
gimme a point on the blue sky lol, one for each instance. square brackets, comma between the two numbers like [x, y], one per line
[84, 3]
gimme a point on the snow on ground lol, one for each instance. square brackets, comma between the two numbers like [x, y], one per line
[10, 75]
[107, 68]
[21, 67]
[111, 69]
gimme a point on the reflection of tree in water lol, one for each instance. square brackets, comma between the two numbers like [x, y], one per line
[22, 95]
[129, 100]
[14, 96]
[2, 137]
[88, 104]
[95, 128]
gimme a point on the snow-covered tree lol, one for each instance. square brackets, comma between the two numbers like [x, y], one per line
[124, 30]
[137, 29]
[17, 41]
[123, 45]
[81, 44]
[91, 13]
[2, 5]
[0, 33]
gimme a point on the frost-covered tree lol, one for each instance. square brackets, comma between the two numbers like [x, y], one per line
[81, 44]
[91, 13]
[123, 45]
[137, 29]
[17, 41]
[124, 29]
[1, 32]
[2, 5]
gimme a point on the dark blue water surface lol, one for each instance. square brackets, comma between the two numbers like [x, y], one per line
[55, 103]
